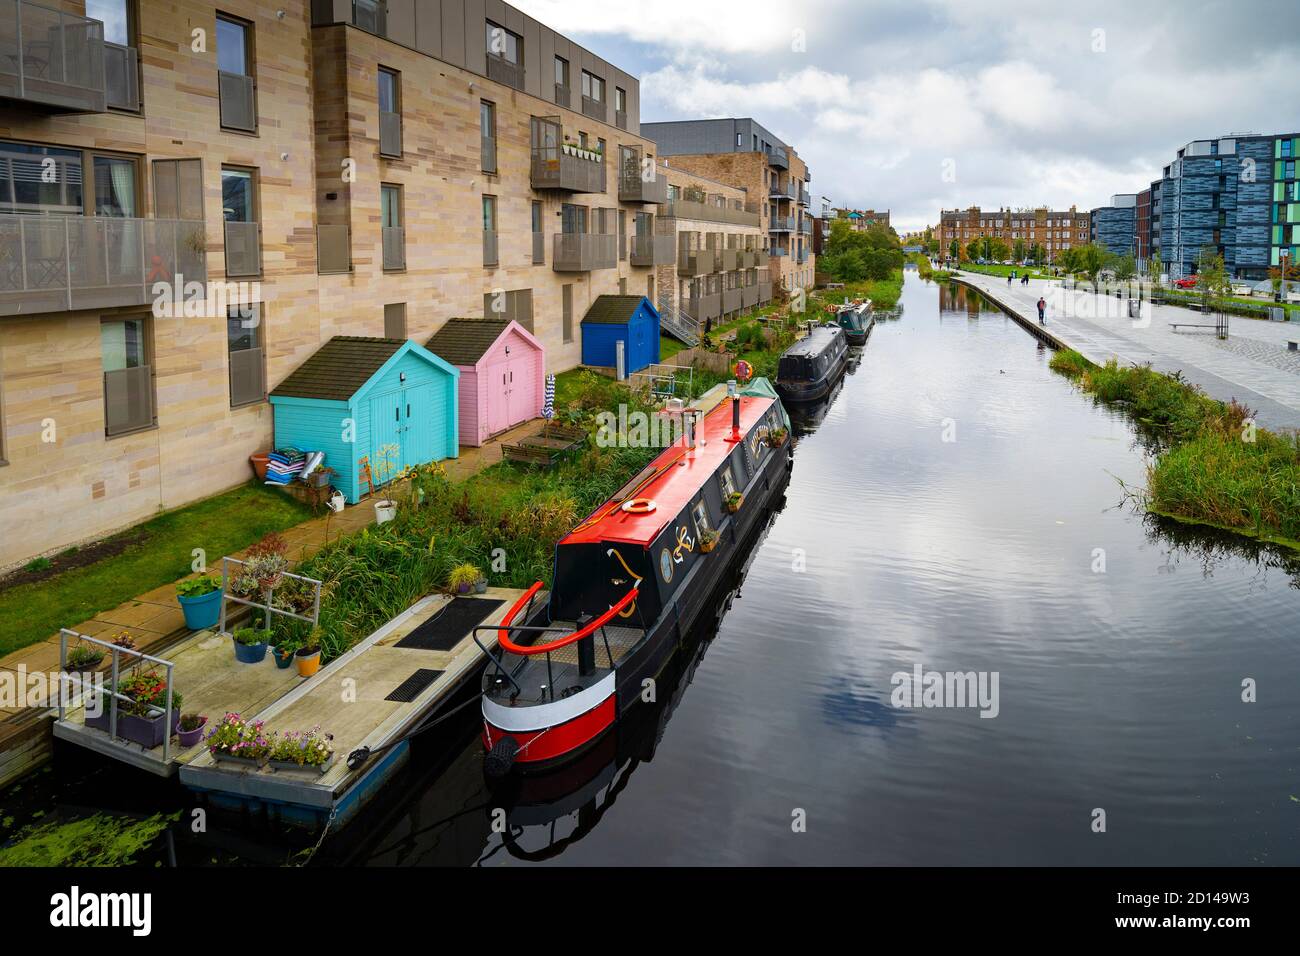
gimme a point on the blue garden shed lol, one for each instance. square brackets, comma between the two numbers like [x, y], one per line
[630, 318]
[387, 402]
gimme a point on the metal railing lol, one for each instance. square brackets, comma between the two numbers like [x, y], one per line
[596, 109]
[679, 324]
[781, 224]
[707, 212]
[653, 250]
[122, 77]
[503, 71]
[394, 246]
[562, 95]
[490, 248]
[583, 251]
[112, 693]
[634, 187]
[729, 260]
[269, 594]
[560, 167]
[620, 119]
[487, 152]
[539, 248]
[390, 134]
[238, 98]
[732, 300]
[695, 262]
[243, 249]
[705, 306]
[128, 400]
[333, 249]
[54, 263]
[777, 157]
[51, 58]
[779, 192]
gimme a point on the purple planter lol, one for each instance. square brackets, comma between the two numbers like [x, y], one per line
[145, 731]
[189, 738]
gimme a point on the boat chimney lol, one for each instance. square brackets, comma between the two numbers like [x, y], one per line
[735, 411]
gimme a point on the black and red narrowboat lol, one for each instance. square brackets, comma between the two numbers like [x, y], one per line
[630, 580]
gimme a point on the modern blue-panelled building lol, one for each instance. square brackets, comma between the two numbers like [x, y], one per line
[1115, 226]
[1237, 196]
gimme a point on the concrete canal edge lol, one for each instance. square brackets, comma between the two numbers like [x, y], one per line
[1041, 332]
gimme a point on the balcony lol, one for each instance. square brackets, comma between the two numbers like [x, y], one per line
[390, 134]
[695, 262]
[804, 199]
[490, 257]
[704, 307]
[596, 109]
[562, 95]
[487, 152]
[634, 187]
[539, 248]
[122, 77]
[243, 249]
[394, 242]
[781, 224]
[583, 252]
[653, 250]
[805, 226]
[620, 119]
[67, 263]
[731, 300]
[776, 252]
[786, 193]
[565, 167]
[503, 71]
[801, 256]
[51, 59]
[729, 260]
[749, 296]
[764, 291]
[777, 158]
[333, 249]
[707, 212]
[238, 97]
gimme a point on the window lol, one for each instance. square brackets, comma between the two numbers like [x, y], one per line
[247, 356]
[487, 123]
[116, 17]
[387, 90]
[23, 188]
[504, 44]
[235, 84]
[620, 99]
[395, 320]
[391, 228]
[593, 87]
[115, 189]
[727, 482]
[566, 301]
[489, 230]
[561, 71]
[701, 513]
[539, 239]
[390, 112]
[239, 210]
[513, 306]
[128, 377]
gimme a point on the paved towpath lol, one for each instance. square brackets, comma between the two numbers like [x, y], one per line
[1253, 365]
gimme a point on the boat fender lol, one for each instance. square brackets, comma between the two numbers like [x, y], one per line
[501, 758]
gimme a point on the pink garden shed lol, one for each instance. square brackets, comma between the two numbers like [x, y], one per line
[502, 374]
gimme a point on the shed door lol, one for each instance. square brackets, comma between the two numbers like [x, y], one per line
[520, 389]
[638, 347]
[421, 420]
[386, 434]
[498, 398]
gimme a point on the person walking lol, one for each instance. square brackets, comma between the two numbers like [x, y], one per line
[1011, 275]
[1042, 310]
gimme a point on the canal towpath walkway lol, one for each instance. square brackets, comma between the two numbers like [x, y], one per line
[1254, 365]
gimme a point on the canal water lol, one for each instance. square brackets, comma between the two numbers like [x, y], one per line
[955, 507]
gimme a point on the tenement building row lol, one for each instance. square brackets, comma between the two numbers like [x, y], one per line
[193, 200]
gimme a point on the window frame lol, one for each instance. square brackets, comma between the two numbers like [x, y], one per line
[146, 326]
[519, 44]
[260, 337]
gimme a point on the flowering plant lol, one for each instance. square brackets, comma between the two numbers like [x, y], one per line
[145, 691]
[306, 748]
[236, 737]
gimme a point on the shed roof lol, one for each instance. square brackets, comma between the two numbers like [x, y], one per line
[463, 341]
[612, 309]
[339, 368]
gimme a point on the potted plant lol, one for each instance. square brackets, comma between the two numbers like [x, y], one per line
[776, 437]
[266, 562]
[320, 478]
[239, 742]
[709, 540]
[200, 599]
[734, 500]
[141, 709]
[250, 645]
[308, 656]
[463, 577]
[83, 657]
[284, 651]
[189, 729]
[124, 641]
[303, 750]
[481, 585]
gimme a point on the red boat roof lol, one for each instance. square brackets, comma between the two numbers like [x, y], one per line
[673, 479]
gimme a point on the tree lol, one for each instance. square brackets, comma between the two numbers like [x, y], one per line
[987, 246]
[1124, 267]
[1211, 276]
[1037, 255]
[1090, 259]
[1018, 250]
[851, 256]
[954, 250]
[1285, 272]
[998, 250]
[973, 249]
[1154, 267]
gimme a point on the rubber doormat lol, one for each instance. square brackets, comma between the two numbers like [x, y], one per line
[409, 689]
[452, 623]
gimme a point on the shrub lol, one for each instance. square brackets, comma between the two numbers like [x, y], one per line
[250, 636]
[197, 587]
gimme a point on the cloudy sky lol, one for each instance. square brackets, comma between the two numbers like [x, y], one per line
[1025, 103]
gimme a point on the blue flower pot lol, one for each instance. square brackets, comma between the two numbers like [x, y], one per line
[249, 654]
[282, 661]
[202, 613]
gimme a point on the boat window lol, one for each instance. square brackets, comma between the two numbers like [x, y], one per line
[757, 441]
[728, 483]
[701, 517]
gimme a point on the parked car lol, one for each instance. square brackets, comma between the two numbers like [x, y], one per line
[1186, 282]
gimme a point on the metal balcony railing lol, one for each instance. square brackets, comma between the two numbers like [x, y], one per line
[634, 187]
[729, 260]
[764, 292]
[596, 109]
[243, 249]
[695, 262]
[620, 119]
[539, 248]
[238, 97]
[50, 58]
[333, 249]
[583, 252]
[122, 77]
[488, 153]
[805, 226]
[731, 300]
[707, 212]
[777, 158]
[782, 192]
[394, 243]
[559, 167]
[705, 306]
[490, 249]
[653, 250]
[804, 198]
[781, 224]
[66, 263]
[503, 71]
[777, 252]
[562, 95]
[390, 134]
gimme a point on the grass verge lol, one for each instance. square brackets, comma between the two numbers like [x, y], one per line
[1213, 465]
[160, 550]
[883, 293]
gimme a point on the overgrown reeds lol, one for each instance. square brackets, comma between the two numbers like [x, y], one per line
[1213, 465]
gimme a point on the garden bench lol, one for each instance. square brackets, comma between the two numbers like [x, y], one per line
[530, 454]
[1191, 325]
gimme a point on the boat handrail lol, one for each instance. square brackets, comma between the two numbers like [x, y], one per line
[503, 637]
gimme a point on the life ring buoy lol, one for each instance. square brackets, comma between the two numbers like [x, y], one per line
[639, 506]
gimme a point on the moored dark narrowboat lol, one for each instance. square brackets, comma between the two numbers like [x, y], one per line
[809, 368]
[630, 581]
[856, 320]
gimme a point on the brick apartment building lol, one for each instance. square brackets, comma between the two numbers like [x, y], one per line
[1053, 230]
[860, 220]
[366, 168]
[745, 155]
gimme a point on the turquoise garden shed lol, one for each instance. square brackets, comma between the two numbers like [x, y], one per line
[386, 402]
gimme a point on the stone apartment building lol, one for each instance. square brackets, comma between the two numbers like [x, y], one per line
[342, 167]
[745, 155]
[1054, 230]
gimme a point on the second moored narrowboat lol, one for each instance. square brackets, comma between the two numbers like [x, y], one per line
[810, 367]
[856, 319]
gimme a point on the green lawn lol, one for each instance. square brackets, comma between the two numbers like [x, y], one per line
[29, 613]
[1004, 271]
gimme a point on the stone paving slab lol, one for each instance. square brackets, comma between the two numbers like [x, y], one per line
[1254, 366]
